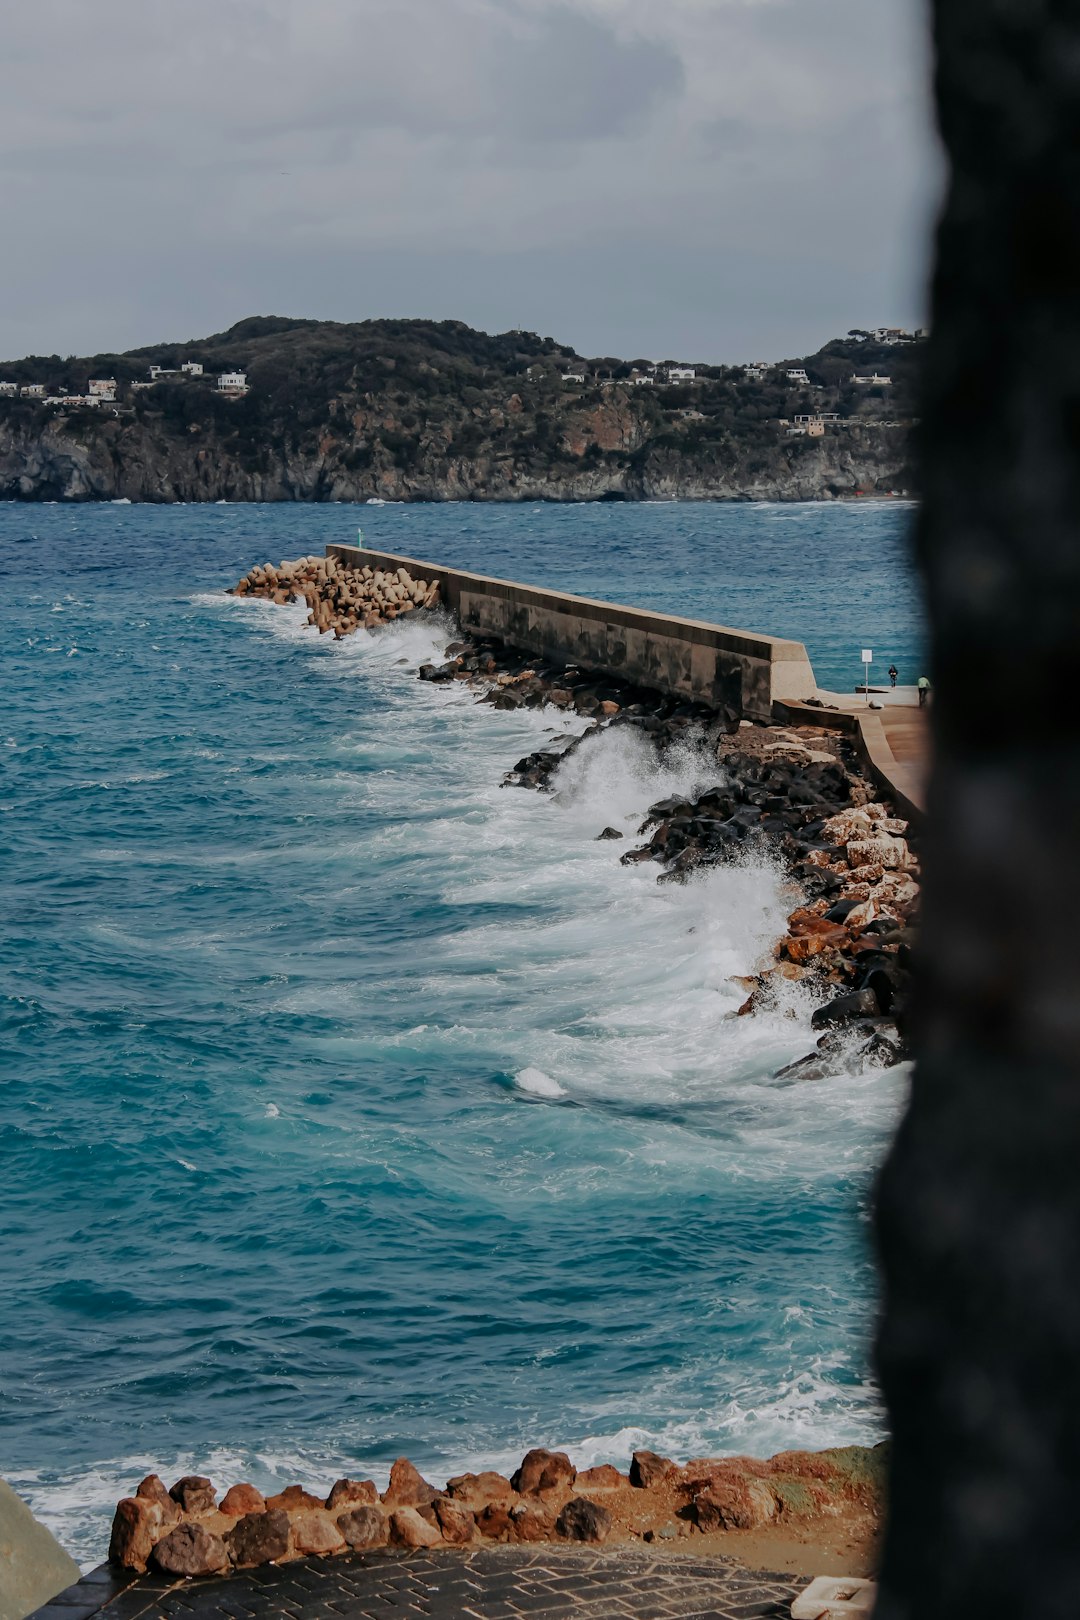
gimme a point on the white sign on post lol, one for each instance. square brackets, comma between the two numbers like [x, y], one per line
[868, 659]
[867, 656]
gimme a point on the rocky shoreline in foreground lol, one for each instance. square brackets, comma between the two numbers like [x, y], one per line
[793, 795]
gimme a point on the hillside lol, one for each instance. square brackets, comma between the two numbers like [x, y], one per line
[431, 411]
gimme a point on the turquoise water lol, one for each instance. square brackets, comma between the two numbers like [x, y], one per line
[353, 1105]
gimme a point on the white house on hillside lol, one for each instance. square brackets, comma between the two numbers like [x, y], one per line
[102, 387]
[574, 377]
[798, 375]
[872, 382]
[233, 384]
[8, 390]
[682, 374]
[161, 371]
[33, 390]
[193, 368]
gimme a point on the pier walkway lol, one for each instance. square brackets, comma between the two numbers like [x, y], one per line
[483, 1583]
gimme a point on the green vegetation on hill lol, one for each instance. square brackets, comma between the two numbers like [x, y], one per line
[432, 410]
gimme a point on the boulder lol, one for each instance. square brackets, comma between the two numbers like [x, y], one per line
[409, 1529]
[845, 1009]
[364, 1527]
[477, 1491]
[407, 1487]
[154, 1489]
[494, 1522]
[240, 1500]
[532, 1521]
[259, 1538]
[603, 1478]
[734, 1502]
[194, 1494]
[294, 1497]
[648, 1469]
[136, 1527]
[457, 1524]
[190, 1550]
[543, 1470]
[582, 1520]
[314, 1532]
[353, 1492]
[607, 834]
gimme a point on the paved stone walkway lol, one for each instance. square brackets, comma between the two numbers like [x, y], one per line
[488, 1583]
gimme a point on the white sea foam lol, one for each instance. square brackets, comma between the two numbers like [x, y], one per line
[539, 1084]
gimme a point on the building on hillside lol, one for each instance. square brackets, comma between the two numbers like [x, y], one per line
[102, 387]
[643, 379]
[682, 374]
[139, 387]
[8, 390]
[233, 384]
[818, 416]
[815, 428]
[797, 375]
[192, 368]
[872, 382]
[33, 390]
[891, 335]
[757, 369]
[574, 377]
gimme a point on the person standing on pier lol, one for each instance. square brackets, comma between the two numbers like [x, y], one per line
[893, 673]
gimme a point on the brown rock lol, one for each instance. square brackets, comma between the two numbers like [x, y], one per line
[259, 1538]
[407, 1487]
[408, 1529]
[194, 1494]
[603, 1478]
[314, 1531]
[532, 1521]
[361, 1492]
[648, 1469]
[543, 1471]
[364, 1527]
[294, 1497]
[191, 1550]
[242, 1499]
[136, 1527]
[734, 1502]
[609, 709]
[478, 1491]
[455, 1521]
[582, 1520]
[494, 1522]
[154, 1489]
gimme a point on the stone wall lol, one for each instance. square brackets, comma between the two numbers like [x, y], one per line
[733, 670]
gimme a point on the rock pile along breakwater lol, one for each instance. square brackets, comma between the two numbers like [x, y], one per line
[186, 1531]
[792, 793]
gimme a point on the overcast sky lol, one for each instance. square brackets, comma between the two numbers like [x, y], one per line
[697, 179]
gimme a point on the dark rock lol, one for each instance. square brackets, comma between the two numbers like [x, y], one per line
[364, 1527]
[845, 1009]
[191, 1550]
[194, 1494]
[582, 1520]
[494, 1522]
[259, 1538]
[608, 833]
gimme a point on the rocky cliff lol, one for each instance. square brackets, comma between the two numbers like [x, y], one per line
[417, 411]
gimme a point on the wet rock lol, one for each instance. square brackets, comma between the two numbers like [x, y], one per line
[582, 1520]
[349, 1492]
[648, 1469]
[364, 1527]
[194, 1494]
[543, 1470]
[608, 833]
[845, 1009]
[242, 1499]
[294, 1497]
[190, 1550]
[409, 1529]
[314, 1532]
[407, 1487]
[259, 1538]
[457, 1524]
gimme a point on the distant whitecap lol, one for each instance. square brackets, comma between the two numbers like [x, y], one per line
[539, 1084]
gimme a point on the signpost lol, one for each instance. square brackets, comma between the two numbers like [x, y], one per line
[868, 659]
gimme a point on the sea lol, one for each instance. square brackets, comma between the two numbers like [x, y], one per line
[354, 1105]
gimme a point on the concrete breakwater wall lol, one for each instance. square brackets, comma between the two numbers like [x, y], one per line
[733, 670]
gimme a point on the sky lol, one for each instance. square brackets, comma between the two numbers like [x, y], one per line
[715, 180]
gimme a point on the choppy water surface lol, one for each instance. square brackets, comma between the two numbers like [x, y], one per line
[353, 1105]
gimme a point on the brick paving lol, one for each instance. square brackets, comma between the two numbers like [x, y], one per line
[487, 1583]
